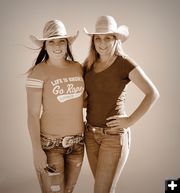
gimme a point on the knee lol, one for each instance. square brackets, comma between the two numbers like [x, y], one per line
[69, 189]
[56, 188]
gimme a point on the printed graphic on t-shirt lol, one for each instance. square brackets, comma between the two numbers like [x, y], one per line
[67, 88]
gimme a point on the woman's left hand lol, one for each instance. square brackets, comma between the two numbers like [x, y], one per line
[118, 122]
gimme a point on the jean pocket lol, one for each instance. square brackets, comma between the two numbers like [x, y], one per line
[79, 145]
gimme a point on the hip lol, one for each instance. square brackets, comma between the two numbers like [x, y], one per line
[107, 136]
[64, 145]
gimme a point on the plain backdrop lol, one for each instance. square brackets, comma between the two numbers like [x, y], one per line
[153, 43]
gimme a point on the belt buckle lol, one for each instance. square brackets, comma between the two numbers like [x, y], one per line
[67, 141]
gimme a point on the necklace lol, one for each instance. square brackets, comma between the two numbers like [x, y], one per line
[101, 66]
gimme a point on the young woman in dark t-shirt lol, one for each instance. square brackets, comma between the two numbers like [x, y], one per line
[108, 70]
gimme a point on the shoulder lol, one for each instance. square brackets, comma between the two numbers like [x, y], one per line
[36, 77]
[77, 64]
[38, 70]
[39, 67]
[129, 63]
[128, 60]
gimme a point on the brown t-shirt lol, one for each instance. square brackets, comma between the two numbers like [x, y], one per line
[105, 90]
[62, 97]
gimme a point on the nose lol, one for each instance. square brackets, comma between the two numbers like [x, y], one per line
[57, 44]
[102, 42]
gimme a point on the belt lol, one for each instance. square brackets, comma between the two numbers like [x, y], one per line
[67, 141]
[102, 130]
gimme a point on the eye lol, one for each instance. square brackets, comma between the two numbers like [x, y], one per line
[62, 41]
[108, 38]
[97, 39]
[50, 42]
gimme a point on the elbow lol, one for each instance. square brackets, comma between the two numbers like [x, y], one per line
[154, 95]
[32, 120]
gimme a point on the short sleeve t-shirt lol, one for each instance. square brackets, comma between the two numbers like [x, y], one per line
[106, 91]
[62, 96]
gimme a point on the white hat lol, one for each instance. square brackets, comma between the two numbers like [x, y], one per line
[108, 25]
[53, 29]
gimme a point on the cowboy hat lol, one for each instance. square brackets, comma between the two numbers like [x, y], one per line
[107, 25]
[53, 29]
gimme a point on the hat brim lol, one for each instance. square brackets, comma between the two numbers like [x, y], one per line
[122, 33]
[39, 41]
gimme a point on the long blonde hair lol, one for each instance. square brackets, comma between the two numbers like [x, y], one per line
[93, 55]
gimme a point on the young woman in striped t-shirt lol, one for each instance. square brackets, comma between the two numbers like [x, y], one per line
[55, 90]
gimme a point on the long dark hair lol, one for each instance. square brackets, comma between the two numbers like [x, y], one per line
[43, 55]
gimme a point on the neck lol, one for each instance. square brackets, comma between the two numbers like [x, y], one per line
[104, 58]
[57, 62]
[100, 66]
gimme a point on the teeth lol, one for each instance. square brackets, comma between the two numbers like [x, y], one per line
[57, 52]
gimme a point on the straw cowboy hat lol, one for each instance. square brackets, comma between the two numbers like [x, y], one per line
[53, 29]
[108, 25]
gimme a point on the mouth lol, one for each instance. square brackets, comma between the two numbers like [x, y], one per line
[57, 51]
[103, 49]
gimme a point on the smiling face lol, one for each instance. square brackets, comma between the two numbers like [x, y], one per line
[104, 44]
[56, 48]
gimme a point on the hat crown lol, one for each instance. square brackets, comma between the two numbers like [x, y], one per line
[54, 28]
[106, 24]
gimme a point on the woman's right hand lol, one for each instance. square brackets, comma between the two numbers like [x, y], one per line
[40, 160]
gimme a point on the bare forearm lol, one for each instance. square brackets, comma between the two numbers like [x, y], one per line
[34, 131]
[143, 82]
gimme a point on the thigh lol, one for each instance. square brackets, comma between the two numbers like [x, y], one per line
[126, 141]
[92, 149]
[73, 163]
[109, 155]
[53, 182]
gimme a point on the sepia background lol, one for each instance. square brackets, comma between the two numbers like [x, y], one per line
[153, 43]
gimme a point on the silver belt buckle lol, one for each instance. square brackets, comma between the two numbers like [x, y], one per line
[67, 141]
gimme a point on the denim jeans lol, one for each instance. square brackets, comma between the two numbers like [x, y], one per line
[67, 163]
[107, 155]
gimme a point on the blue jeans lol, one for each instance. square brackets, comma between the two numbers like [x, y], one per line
[107, 155]
[67, 163]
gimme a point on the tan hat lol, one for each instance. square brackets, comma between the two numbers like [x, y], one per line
[53, 29]
[107, 25]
